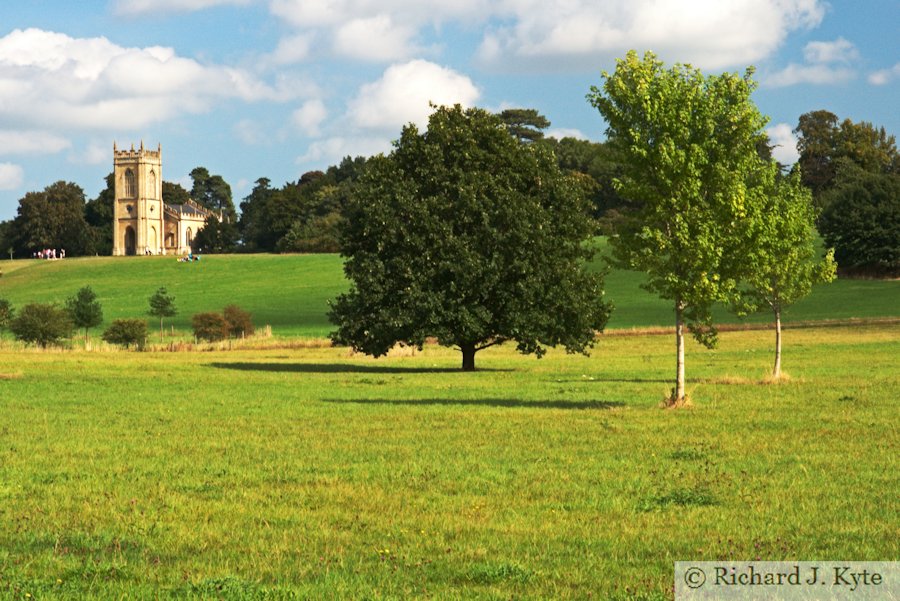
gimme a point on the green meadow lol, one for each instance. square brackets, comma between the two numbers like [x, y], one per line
[292, 470]
[291, 292]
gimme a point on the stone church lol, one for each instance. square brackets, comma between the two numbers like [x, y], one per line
[142, 223]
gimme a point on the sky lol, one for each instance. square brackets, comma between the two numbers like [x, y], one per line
[276, 88]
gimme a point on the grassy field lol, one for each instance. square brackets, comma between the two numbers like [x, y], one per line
[312, 473]
[290, 292]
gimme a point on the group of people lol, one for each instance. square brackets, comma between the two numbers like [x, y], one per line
[188, 258]
[49, 253]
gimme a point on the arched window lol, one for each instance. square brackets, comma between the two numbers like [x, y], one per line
[151, 192]
[188, 238]
[130, 184]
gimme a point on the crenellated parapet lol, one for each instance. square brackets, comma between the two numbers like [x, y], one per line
[136, 154]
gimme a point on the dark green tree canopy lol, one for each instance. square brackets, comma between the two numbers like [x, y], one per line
[212, 192]
[53, 218]
[861, 220]
[526, 125]
[464, 234]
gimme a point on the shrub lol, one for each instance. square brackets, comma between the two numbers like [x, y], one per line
[7, 313]
[238, 321]
[42, 324]
[127, 332]
[209, 326]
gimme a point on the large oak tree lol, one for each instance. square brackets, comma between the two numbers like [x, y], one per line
[468, 236]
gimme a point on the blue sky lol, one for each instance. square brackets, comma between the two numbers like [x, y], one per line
[275, 88]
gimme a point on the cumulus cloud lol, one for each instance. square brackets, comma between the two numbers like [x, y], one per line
[826, 63]
[782, 137]
[332, 150]
[377, 39]
[11, 176]
[403, 93]
[292, 49]
[51, 79]
[140, 7]
[885, 76]
[707, 33]
[310, 116]
[31, 142]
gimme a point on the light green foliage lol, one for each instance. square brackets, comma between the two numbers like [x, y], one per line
[127, 332]
[687, 143]
[780, 252]
[84, 309]
[308, 474]
[471, 237]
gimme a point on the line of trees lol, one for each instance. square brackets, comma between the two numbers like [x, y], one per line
[49, 324]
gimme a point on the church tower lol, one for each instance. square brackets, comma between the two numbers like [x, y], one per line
[138, 211]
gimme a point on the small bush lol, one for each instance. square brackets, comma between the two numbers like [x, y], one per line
[42, 324]
[238, 321]
[209, 326]
[127, 332]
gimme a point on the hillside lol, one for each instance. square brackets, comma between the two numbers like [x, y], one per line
[291, 292]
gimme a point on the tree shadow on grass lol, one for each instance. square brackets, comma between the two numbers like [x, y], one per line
[348, 368]
[574, 405]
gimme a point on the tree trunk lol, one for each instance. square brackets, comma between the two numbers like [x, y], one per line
[678, 397]
[160, 329]
[776, 372]
[468, 356]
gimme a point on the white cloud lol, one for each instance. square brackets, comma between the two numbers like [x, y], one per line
[95, 153]
[826, 63]
[564, 132]
[782, 137]
[52, 80]
[332, 150]
[11, 176]
[140, 7]
[310, 116]
[31, 142]
[885, 76]
[376, 39]
[292, 49]
[404, 92]
[838, 51]
[707, 33]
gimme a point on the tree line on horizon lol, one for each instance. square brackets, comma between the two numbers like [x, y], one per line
[852, 170]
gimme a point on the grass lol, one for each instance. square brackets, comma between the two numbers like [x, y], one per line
[311, 473]
[291, 292]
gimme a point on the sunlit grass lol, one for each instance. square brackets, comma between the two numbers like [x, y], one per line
[315, 473]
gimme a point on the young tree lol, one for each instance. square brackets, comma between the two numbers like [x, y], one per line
[85, 310]
[781, 253]
[42, 324]
[162, 305]
[688, 148]
[464, 234]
